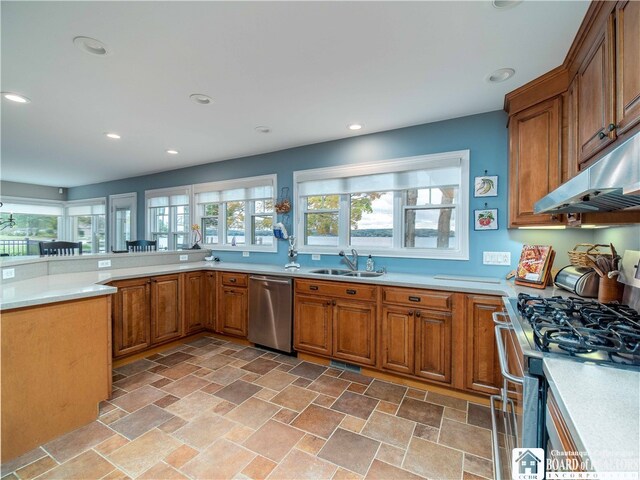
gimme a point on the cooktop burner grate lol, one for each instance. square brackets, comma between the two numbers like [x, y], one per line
[579, 327]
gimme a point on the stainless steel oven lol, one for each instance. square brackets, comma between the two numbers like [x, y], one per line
[517, 412]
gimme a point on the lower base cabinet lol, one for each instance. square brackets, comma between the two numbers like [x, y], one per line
[131, 316]
[195, 302]
[433, 345]
[166, 308]
[233, 304]
[312, 324]
[397, 339]
[354, 332]
[482, 367]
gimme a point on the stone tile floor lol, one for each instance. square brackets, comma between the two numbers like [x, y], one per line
[211, 409]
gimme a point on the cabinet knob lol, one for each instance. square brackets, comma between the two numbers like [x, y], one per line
[602, 135]
[329, 303]
[612, 127]
[411, 313]
[333, 302]
[418, 314]
[232, 280]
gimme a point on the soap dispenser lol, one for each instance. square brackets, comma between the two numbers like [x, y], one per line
[369, 264]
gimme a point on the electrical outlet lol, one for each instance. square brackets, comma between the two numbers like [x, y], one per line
[104, 263]
[8, 273]
[496, 258]
[184, 258]
[315, 256]
[245, 254]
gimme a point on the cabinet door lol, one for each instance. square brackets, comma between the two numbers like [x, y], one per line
[397, 339]
[232, 311]
[195, 301]
[354, 332]
[534, 161]
[433, 345]
[166, 311]
[596, 96]
[131, 317]
[628, 64]
[482, 370]
[312, 324]
[571, 163]
[210, 301]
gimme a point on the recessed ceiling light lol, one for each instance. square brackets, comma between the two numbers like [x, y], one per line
[263, 129]
[354, 126]
[501, 75]
[172, 152]
[503, 4]
[14, 97]
[201, 98]
[91, 46]
[112, 135]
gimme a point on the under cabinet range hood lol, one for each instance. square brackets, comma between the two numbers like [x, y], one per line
[610, 184]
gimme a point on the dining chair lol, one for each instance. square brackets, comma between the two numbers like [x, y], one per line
[49, 249]
[142, 246]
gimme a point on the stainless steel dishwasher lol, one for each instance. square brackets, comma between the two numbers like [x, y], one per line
[270, 307]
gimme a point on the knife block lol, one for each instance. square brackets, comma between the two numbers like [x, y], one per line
[610, 290]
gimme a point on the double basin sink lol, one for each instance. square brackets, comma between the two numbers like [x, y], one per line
[346, 273]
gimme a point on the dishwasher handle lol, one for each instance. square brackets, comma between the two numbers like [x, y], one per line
[271, 280]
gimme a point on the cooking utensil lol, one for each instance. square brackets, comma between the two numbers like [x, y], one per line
[603, 264]
[594, 265]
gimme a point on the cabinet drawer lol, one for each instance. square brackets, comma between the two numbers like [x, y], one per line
[337, 289]
[417, 298]
[234, 279]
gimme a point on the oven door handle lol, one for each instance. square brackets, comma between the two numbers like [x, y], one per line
[496, 315]
[502, 355]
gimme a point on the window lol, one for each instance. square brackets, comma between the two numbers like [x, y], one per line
[237, 213]
[36, 221]
[168, 218]
[411, 207]
[86, 223]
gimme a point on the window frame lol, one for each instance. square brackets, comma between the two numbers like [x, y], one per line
[249, 213]
[431, 161]
[172, 232]
[70, 227]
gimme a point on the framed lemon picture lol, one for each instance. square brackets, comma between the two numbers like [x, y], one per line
[485, 186]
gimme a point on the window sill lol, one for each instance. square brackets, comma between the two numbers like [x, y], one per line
[241, 248]
[391, 253]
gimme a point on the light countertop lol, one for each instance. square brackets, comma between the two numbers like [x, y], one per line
[62, 287]
[601, 406]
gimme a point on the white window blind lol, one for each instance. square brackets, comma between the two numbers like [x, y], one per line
[32, 208]
[253, 188]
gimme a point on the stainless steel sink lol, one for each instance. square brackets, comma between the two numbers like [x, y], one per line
[330, 271]
[363, 274]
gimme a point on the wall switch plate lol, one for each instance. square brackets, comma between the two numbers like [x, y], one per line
[104, 263]
[245, 254]
[496, 258]
[184, 258]
[8, 273]
[315, 256]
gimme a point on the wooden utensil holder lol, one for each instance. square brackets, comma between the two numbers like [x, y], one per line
[609, 290]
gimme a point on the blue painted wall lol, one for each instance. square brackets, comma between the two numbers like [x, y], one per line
[485, 135]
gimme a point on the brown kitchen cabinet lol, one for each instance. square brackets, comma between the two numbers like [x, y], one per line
[336, 319]
[210, 300]
[433, 345]
[596, 96]
[416, 336]
[482, 367]
[627, 65]
[312, 324]
[233, 304]
[166, 308]
[195, 302]
[534, 161]
[397, 338]
[354, 331]
[131, 316]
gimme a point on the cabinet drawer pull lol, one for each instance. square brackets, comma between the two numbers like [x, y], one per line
[351, 291]
[313, 287]
[415, 299]
[418, 314]
[602, 135]
[232, 280]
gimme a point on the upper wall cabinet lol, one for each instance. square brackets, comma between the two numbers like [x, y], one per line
[628, 64]
[596, 113]
[576, 113]
[534, 161]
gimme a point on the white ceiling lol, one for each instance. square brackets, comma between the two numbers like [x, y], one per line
[305, 69]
